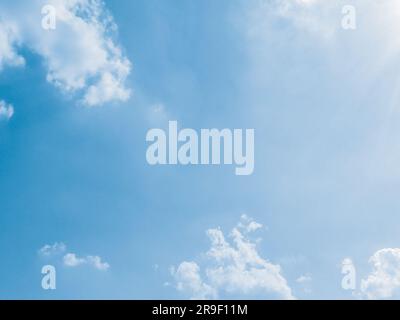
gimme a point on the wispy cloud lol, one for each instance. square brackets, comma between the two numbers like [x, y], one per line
[313, 16]
[304, 278]
[72, 259]
[54, 249]
[305, 282]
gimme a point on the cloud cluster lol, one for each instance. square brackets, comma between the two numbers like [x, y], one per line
[71, 259]
[233, 268]
[384, 280]
[81, 54]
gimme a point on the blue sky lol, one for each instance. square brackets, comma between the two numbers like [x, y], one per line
[324, 105]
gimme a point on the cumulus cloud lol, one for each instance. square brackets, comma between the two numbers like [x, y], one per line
[234, 268]
[72, 259]
[81, 55]
[6, 110]
[384, 280]
[188, 279]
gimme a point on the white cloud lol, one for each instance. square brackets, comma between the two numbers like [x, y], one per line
[107, 89]
[304, 279]
[6, 110]
[305, 283]
[248, 224]
[188, 280]
[384, 280]
[96, 262]
[81, 54]
[72, 259]
[236, 269]
[8, 42]
[54, 249]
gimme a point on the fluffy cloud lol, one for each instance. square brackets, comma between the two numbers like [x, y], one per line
[81, 54]
[188, 279]
[384, 280]
[6, 110]
[71, 259]
[234, 268]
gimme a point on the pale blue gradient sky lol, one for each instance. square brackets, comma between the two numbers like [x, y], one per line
[325, 111]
